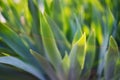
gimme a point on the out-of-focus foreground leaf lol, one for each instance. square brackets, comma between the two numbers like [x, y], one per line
[21, 65]
[45, 65]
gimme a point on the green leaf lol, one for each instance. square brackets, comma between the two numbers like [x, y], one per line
[111, 59]
[98, 31]
[15, 14]
[109, 21]
[11, 73]
[33, 8]
[50, 46]
[57, 12]
[78, 33]
[77, 58]
[35, 15]
[21, 65]
[4, 48]
[66, 63]
[60, 38]
[117, 69]
[45, 65]
[15, 43]
[90, 55]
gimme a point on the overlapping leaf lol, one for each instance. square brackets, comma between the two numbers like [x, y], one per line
[49, 43]
[111, 59]
[77, 58]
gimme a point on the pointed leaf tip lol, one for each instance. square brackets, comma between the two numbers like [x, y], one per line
[82, 40]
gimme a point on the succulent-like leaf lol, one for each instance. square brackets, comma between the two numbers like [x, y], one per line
[57, 12]
[66, 63]
[78, 33]
[77, 58]
[13, 40]
[21, 65]
[33, 8]
[11, 73]
[15, 14]
[49, 43]
[15, 43]
[90, 55]
[4, 48]
[111, 59]
[45, 65]
[61, 40]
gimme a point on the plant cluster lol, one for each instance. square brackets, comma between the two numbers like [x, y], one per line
[59, 40]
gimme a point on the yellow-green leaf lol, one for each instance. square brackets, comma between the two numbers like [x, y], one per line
[49, 43]
[77, 58]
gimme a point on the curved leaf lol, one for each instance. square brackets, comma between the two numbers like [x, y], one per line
[77, 58]
[90, 55]
[33, 8]
[61, 40]
[21, 65]
[111, 59]
[45, 65]
[50, 46]
[15, 43]
[11, 73]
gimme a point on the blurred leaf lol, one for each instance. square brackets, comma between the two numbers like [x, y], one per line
[79, 32]
[50, 46]
[98, 31]
[15, 43]
[21, 65]
[63, 44]
[90, 55]
[111, 62]
[33, 8]
[15, 14]
[35, 15]
[11, 73]
[77, 58]
[108, 20]
[57, 12]
[45, 65]
[4, 48]
[66, 63]
[117, 69]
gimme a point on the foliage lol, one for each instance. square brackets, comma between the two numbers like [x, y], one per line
[59, 40]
